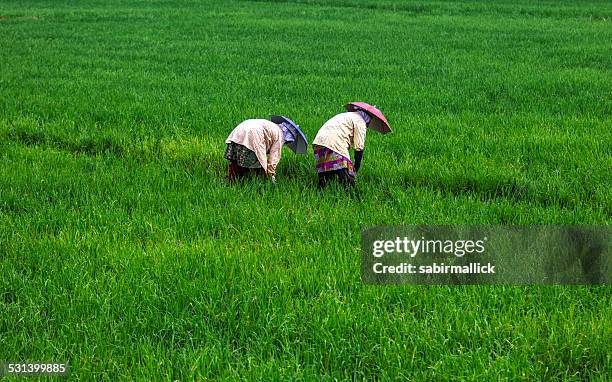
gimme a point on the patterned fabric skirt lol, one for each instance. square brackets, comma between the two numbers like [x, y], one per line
[241, 155]
[329, 160]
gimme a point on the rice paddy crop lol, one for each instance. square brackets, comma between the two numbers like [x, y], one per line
[124, 251]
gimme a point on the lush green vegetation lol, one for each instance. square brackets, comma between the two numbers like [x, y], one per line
[123, 249]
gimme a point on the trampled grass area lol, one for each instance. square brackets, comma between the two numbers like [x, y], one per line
[123, 250]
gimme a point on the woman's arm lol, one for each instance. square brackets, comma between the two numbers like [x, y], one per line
[274, 156]
[358, 157]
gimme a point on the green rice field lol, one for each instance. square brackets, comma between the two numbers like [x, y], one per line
[125, 252]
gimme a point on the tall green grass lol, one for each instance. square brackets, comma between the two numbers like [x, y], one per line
[124, 251]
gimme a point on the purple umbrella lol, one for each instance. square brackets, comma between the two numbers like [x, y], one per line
[378, 123]
[300, 145]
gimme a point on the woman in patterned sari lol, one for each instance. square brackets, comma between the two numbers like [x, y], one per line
[254, 146]
[332, 144]
[341, 133]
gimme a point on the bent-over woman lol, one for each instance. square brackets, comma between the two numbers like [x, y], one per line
[254, 146]
[341, 133]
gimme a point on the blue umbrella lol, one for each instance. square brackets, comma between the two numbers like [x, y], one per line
[300, 144]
